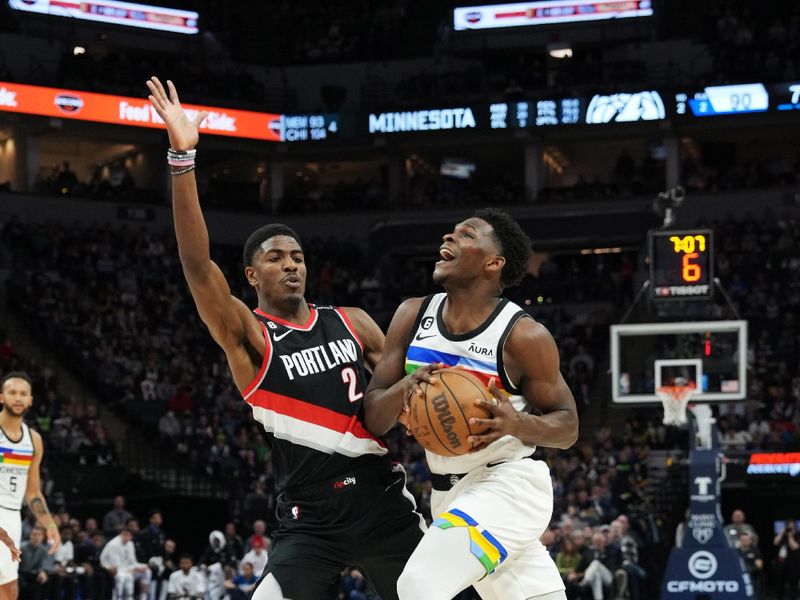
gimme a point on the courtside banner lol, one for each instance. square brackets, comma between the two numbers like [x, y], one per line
[547, 12]
[126, 14]
[121, 110]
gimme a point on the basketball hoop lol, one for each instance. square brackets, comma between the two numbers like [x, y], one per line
[675, 399]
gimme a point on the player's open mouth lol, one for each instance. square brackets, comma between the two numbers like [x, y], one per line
[446, 254]
[292, 281]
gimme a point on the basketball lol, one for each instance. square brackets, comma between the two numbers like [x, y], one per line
[439, 418]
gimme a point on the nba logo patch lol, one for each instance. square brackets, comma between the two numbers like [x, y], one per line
[474, 16]
[296, 513]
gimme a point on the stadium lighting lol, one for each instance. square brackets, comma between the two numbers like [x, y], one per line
[78, 50]
[559, 50]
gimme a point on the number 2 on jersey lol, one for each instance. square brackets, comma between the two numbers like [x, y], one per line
[349, 377]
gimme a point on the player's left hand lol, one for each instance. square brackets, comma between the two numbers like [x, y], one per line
[54, 539]
[506, 420]
[9, 543]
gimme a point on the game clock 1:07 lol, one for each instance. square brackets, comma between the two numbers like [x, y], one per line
[681, 264]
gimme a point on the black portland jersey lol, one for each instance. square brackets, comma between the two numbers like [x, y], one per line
[308, 395]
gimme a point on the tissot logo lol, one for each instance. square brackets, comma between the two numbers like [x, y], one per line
[68, 103]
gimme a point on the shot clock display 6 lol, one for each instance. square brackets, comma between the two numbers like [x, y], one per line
[681, 264]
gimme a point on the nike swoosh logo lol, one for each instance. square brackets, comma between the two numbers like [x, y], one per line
[278, 338]
[421, 337]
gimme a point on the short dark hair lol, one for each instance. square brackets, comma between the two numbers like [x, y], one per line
[16, 375]
[514, 244]
[262, 234]
[185, 555]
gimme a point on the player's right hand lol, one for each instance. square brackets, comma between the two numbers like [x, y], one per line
[413, 380]
[183, 133]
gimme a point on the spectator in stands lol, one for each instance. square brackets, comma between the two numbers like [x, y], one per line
[115, 519]
[118, 557]
[737, 527]
[66, 180]
[88, 556]
[64, 580]
[241, 584]
[629, 551]
[754, 564]
[163, 566]
[257, 556]
[567, 561]
[188, 582]
[600, 570]
[151, 540]
[259, 531]
[33, 576]
[233, 543]
[787, 561]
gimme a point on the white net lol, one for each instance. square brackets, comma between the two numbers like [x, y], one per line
[675, 399]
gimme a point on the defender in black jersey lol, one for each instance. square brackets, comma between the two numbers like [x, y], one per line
[302, 369]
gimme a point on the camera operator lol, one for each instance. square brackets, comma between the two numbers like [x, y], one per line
[787, 563]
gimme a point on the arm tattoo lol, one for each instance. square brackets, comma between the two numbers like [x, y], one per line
[38, 506]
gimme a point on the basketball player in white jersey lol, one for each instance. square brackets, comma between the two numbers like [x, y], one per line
[21, 453]
[489, 506]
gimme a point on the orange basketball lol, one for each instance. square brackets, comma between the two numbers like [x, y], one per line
[439, 419]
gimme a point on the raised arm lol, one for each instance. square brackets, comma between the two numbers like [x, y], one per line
[231, 323]
[390, 387]
[35, 499]
[531, 357]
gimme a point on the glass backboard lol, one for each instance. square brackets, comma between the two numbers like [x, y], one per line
[710, 354]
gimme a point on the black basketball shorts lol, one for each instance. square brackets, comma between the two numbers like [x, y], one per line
[366, 520]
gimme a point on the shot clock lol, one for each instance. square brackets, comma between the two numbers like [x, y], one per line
[681, 264]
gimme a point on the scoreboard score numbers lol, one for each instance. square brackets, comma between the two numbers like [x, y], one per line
[681, 264]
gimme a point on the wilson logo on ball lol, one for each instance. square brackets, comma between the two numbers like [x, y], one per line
[446, 418]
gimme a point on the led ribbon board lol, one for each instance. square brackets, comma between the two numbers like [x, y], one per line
[137, 112]
[724, 100]
[526, 14]
[126, 14]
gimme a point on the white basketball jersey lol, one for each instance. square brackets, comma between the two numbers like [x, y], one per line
[481, 353]
[15, 461]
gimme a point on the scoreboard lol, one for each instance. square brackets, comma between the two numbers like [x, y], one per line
[681, 264]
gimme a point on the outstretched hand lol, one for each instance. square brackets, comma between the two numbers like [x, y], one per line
[505, 420]
[183, 133]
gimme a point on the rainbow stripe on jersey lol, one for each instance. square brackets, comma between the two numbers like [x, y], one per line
[16, 456]
[417, 356]
[486, 548]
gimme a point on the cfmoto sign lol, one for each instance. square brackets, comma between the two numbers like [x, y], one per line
[702, 564]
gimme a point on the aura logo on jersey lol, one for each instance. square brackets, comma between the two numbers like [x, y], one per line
[480, 350]
[446, 418]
